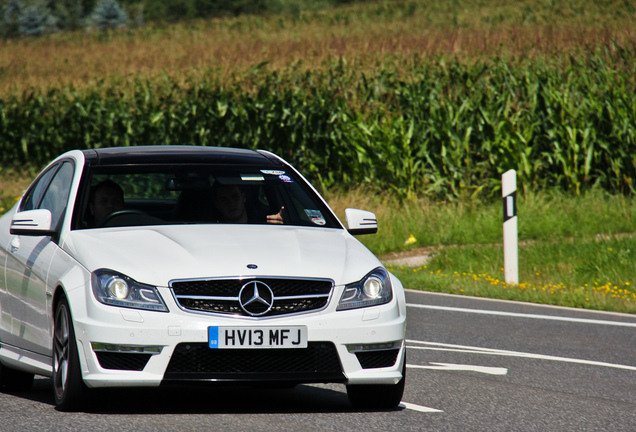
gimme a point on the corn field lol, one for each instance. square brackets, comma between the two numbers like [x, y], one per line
[436, 126]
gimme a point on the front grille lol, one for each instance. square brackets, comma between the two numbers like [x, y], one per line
[222, 295]
[319, 362]
[122, 361]
[377, 359]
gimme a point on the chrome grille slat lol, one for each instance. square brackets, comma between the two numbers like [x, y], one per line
[302, 297]
[221, 296]
[192, 297]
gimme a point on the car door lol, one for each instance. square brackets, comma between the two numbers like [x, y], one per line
[14, 274]
[5, 309]
[28, 262]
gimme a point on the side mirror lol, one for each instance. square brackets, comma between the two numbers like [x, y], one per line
[361, 221]
[32, 223]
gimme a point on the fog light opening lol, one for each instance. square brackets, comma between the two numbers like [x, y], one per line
[129, 349]
[353, 348]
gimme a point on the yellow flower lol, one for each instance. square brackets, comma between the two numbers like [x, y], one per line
[410, 240]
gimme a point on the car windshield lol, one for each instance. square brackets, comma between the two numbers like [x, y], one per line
[134, 195]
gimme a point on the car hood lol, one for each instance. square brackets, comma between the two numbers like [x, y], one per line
[155, 255]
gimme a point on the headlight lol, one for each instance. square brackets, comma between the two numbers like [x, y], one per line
[373, 289]
[115, 289]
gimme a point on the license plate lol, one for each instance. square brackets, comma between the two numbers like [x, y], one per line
[257, 337]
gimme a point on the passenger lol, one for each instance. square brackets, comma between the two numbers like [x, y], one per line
[105, 198]
[230, 201]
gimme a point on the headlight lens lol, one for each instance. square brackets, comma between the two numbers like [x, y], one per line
[373, 289]
[118, 288]
[115, 289]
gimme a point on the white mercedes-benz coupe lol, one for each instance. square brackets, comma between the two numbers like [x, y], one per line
[179, 265]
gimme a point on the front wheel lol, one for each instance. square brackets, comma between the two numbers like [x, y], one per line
[69, 388]
[377, 396]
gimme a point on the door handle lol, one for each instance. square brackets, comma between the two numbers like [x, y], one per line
[15, 244]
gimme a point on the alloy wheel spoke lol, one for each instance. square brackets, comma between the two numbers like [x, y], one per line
[61, 350]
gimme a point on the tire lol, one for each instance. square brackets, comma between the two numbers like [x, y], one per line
[377, 396]
[69, 389]
[12, 380]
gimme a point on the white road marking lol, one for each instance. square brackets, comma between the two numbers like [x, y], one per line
[460, 367]
[522, 315]
[435, 346]
[419, 408]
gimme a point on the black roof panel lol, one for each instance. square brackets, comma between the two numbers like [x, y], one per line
[176, 154]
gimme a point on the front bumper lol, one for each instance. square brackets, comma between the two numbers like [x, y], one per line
[125, 347]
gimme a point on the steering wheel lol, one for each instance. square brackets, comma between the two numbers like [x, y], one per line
[119, 213]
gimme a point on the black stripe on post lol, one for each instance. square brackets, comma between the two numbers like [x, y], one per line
[510, 206]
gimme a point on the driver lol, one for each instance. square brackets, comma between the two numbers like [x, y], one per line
[230, 201]
[106, 197]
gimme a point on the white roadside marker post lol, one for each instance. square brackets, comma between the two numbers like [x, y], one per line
[510, 240]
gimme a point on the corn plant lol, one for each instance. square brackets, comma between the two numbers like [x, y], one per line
[446, 128]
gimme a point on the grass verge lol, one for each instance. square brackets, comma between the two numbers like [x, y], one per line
[590, 273]
[575, 251]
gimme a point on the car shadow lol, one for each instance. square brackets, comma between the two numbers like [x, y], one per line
[320, 398]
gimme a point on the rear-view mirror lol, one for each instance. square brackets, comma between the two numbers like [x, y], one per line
[32, 223]
[361, 221]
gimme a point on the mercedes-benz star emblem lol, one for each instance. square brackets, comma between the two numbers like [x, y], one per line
[256, 298]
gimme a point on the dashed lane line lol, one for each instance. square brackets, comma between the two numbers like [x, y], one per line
[419, 408]
[462, 367]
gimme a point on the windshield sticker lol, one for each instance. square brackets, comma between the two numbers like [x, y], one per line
[285, 178]
[316, 216]
[252, 177]
[273, 172]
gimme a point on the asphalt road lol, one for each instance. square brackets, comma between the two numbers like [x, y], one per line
[474, 364]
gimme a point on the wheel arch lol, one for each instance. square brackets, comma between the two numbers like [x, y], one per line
[73, 286]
